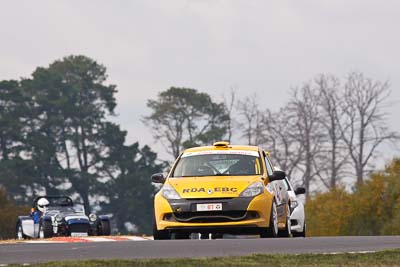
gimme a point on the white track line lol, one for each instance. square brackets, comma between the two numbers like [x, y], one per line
[350, 252]
[90, 239]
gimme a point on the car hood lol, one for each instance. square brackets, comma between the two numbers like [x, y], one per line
[68, 215]
[212, 186]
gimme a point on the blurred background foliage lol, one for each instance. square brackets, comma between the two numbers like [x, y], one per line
[372, 209]
[9, 211]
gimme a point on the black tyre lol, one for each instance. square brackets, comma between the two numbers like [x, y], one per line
[19, 234]
[287, 232]
[303, 234]
[182, 236]
[217, 236]
[272, 230]
[45, 229]
[159, 235]
[205, 236]
[104, 227]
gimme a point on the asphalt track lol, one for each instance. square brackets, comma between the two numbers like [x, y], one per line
[33, 253]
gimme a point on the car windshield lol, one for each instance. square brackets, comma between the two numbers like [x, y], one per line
[287, 185]
[59, 201]
[73, 209]
[218, 163]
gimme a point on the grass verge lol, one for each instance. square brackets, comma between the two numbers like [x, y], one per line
[382, 258]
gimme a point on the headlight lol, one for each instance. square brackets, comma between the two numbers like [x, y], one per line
[59, 217]
[169, 192]
[253, 190]
[293, 204]
[92, 217]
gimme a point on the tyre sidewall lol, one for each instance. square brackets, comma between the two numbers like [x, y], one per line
[104, 228]
[46, 228]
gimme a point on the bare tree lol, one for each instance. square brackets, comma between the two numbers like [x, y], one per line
[334, 154]
[230, 104]
[251, 120]
[305, 128]
[277, 137]
[366, 127]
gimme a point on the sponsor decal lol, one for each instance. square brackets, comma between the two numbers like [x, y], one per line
[223, 190]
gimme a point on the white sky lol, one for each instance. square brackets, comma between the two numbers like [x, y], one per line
[262, 47]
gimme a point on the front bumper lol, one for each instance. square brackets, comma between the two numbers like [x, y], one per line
[297, 219]
[238, 215]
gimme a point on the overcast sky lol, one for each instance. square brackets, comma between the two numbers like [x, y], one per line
[263, 47]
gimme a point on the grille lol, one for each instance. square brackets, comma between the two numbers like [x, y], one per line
[212, 216]
[78, 228]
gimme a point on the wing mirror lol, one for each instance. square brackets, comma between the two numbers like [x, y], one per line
[277, 175]
[300, 190]
[158, 178]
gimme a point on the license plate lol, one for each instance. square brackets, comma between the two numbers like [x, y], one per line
[79, 234]
[208, 207]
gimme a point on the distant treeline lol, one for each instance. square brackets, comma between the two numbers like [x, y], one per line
[329, 131]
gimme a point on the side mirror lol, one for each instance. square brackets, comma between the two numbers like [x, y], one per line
[277, 175]
[300, 190]
[158, 178]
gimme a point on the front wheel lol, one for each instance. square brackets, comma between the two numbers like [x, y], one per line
[182, 236]
[104, 227]
[45, 229]
[19, 232]
[272, 230]
[301, 234]
[159, 235]
[217, 236]
[287, 232]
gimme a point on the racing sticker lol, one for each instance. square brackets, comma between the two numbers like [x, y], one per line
[221, 152]
[224, 190]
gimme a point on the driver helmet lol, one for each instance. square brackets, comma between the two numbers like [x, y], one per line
[43, 205]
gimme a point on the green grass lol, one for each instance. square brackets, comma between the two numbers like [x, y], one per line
[383, 258]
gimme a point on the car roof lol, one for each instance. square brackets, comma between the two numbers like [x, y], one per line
[229, 147]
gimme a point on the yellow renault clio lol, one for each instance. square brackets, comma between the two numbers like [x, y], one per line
[221, 189]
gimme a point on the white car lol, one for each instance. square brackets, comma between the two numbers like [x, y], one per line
[297, 215]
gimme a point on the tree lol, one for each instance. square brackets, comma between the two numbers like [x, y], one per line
[251, 121]
[12, 113]
[56, 138]
[230, 104]
[14, 110]
[372, 209]
[130, 192]
[334, 155]
[279, 139]
[365, 127]
[69, 124]
[304, 121]
[183, 117]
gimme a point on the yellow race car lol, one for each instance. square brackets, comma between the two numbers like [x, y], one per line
[221, 189]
